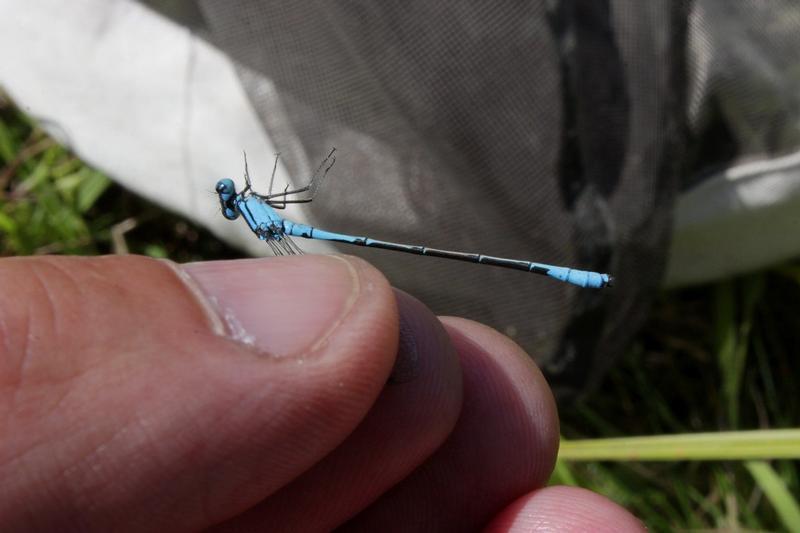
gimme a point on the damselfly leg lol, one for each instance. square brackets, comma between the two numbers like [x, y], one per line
[279, 200]
[272, 177]
[248, 185]
[313, 184]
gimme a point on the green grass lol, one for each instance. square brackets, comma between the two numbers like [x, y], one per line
[711, 361]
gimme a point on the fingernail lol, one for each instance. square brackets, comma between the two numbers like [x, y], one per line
[282, 306]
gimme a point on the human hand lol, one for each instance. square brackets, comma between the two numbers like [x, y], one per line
[137, 395]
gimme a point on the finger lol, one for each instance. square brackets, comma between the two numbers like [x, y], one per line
[565, 509]
[412, 417]
[138, 395]
[503, 446]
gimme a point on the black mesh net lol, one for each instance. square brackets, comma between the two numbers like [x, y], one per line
[540, 130]
[552, 130]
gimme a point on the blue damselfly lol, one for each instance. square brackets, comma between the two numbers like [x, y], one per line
[260, 211]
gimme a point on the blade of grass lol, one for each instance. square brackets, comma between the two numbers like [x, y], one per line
[734, 445]
[8, 147]
[733, 338]
[90, 189]
[7, 224]
[785, 505]
[726, 488]
[562, 475]
[725, 341]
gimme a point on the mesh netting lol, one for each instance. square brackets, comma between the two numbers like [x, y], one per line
[744, 100]
[546, 131]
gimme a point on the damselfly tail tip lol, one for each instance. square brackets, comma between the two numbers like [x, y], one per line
[610, 282]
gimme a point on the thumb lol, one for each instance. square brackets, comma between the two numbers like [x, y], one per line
[137, 394]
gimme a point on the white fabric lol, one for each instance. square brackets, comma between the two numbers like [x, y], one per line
[744, 218]
[140, 98]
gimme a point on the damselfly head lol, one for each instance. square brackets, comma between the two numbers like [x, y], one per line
[227, 195]
[226, 186]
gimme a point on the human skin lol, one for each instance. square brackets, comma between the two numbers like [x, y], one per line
[283, 394]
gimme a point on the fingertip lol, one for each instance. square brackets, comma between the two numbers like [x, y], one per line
[482, 344]
[503, 445]
[426, 378]
[409, 421]
[121, 355]
[565, 509]
[329, 349]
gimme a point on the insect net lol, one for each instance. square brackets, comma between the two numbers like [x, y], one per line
[552, 131]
